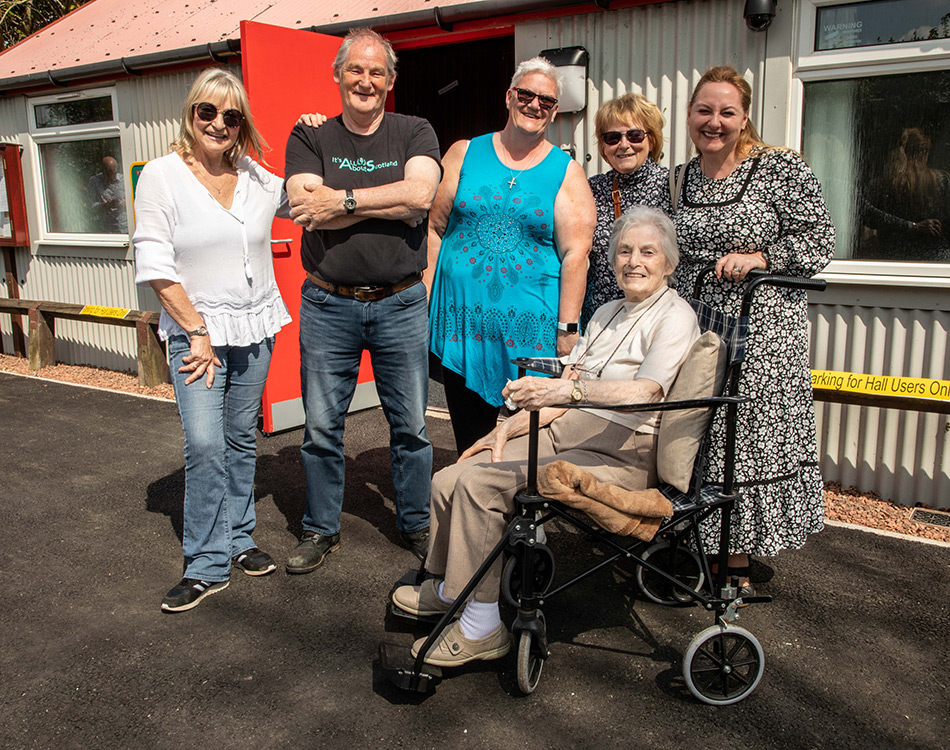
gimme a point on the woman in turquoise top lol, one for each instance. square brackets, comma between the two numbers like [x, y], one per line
[509, 235]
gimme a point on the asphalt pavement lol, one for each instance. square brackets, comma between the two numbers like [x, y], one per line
[856, 641]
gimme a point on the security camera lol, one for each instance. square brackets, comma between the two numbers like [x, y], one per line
[759, 14]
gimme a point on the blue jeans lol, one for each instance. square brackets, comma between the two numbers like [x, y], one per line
[334, 331]
[220, 425]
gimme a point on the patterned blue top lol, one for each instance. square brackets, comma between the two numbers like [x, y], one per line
[497, 281]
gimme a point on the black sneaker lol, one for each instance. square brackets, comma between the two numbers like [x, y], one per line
[254, 562]
[311, 552]
[417, 542]
[189, 592]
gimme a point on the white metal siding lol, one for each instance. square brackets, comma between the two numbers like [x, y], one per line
[902, 455]
[659, 51]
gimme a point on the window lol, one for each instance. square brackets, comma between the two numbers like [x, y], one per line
[880, 22]
[881, 147]
[876, 130]
[79, 154]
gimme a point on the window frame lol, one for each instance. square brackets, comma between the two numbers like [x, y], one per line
[864, 62]
[71, 134]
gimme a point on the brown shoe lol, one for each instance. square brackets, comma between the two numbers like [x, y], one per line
[422, 601]
[454, 649]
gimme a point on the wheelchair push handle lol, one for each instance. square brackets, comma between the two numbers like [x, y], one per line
[757, 277]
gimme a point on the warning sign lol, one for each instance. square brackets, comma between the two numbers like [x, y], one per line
[104, 312]
[880, 385]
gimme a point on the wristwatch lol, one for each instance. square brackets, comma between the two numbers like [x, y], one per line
[199, 331]
[577, 395]
[349, 203]
[567, 327]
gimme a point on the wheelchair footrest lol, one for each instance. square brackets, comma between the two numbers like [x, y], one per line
[401, 614]
[398, 665]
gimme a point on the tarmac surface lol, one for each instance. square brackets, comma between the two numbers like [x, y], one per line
[856, 641]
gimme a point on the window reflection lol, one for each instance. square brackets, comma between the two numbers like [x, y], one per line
[84, 188]
[881, 148]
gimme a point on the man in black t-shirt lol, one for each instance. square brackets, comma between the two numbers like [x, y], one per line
[361, 186]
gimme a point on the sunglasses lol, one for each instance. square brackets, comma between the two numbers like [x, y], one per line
[613, 137]
[207, 112]
[526, 96]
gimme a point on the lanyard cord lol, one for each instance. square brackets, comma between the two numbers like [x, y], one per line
[623, 338]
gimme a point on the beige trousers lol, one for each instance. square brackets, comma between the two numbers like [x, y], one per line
[471, 502]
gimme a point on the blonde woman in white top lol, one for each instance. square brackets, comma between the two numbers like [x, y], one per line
[202, 241]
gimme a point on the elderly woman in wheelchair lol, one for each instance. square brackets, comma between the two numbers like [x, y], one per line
[630, 354]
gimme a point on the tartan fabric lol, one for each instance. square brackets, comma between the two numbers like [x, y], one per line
[682, 501]
[733, 331]
[546, 365]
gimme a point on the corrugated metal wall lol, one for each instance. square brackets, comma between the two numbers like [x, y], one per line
[902, 455]
[659, 51]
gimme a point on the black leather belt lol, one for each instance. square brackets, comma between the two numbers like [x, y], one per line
[366, 293]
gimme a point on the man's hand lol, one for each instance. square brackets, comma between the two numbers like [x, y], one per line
[318, 205]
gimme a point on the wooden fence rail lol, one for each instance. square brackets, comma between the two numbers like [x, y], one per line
[152, 362]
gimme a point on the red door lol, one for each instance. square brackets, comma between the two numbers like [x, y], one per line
[287, 72]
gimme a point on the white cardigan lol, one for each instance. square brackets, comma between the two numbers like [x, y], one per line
[221, 257]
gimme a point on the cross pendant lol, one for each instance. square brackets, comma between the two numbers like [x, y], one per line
[511, 182]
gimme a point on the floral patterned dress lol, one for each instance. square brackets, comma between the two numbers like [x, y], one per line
[649, 186]
[770, 203]
[496, 287]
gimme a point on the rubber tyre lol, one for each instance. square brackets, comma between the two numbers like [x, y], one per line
[689, 571]
[723, 665]
[529, 664]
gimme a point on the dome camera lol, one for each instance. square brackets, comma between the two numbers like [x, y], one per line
[759, 14]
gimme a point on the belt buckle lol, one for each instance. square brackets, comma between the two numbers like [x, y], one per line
[365, 293]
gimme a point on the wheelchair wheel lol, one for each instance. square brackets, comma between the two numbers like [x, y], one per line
[723, 665]
[530, 664]
[681, 563]
[543, 567]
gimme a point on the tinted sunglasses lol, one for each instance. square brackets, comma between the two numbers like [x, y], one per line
[526, 96]
[612, 137]
[207, 112]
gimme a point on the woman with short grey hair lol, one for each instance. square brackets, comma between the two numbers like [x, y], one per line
[509, 235]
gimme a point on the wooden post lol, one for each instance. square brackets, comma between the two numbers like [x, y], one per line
[42, 338]
[152, 362]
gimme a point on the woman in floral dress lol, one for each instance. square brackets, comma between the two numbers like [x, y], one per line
[744, 205]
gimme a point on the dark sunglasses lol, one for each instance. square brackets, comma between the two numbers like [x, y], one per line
[526, 96]
[612, 137]
[207, 112]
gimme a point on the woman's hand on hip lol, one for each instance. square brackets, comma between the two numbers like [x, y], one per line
[200, 361]
[736, 266]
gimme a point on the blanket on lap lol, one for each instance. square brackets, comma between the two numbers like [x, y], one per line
[636, 513]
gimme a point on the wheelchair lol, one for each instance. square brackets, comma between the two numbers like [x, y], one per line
[724, 662]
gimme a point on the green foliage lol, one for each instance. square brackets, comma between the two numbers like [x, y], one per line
[20, 18]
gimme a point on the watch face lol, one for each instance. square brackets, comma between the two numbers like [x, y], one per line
[349, 203]
[577, 394]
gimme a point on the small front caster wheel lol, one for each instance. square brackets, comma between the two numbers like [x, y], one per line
[530, 663]
[723, 665]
